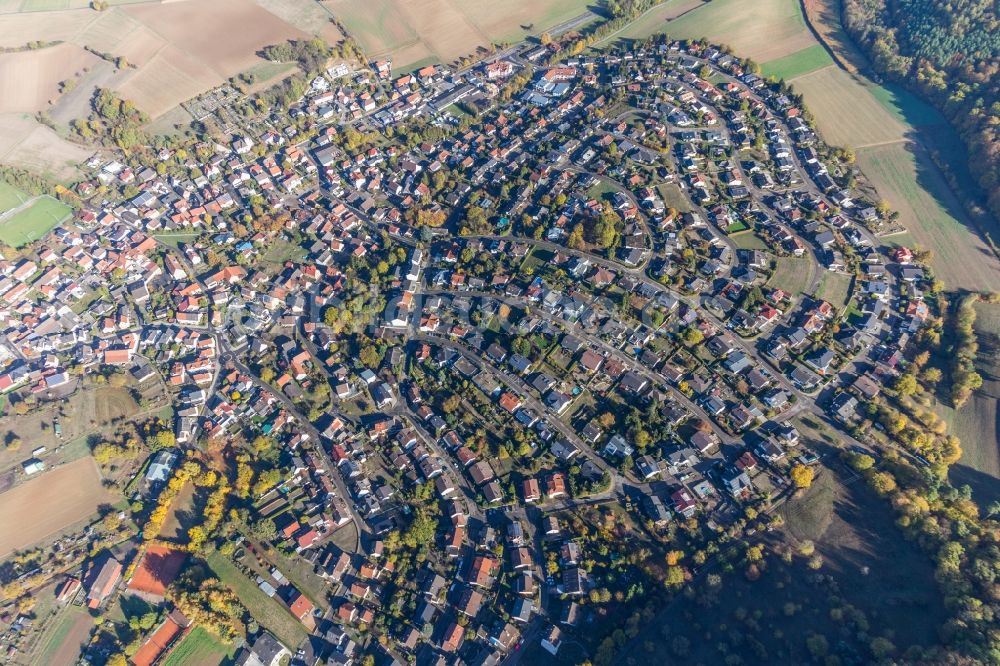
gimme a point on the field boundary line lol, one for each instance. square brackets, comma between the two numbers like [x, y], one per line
[890, 142]
[815, 71]
[20, 207]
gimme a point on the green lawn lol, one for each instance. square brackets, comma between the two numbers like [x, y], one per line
[748, 240]
[792, 274]
[270, 613]
[674, 197]
[199, 647]
[282, 251]
[835, 288]
[33, 222]
[175, 239]
[801, 62]
[10, 197]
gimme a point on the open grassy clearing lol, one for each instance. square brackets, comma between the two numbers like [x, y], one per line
[31, 223]
[933, 215]
[748, 240]
[503, 21]
[181, 516]
[796, 64]
[674, 197]
[176, 240]
[199, 648]
[906, 106]
[270, 613]
[763, 30]
[834, 288]
[49, 503]
[792, 274]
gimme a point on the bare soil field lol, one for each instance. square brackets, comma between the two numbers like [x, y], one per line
[18, 29]
[194, 29]
[49, 503]
[173, 49]
[26, 143]
[29, 80]
[168, 79]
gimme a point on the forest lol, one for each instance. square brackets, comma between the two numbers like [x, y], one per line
[948, 52]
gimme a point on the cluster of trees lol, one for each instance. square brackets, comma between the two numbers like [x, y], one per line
[185, 472]
[620, 13]
[209, 603]
[949, 52]
[115, 119]
[311, 55]
[213, 511]
[964, 378]
[945, 522]
[22, 179]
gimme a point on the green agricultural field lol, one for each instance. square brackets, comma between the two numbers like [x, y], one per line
[63, 640]
[792, 274]
[270, 613]
[201, 648]
[912, 185]
[763, 29]
[33, 222]
[654, 21]
[796, 64]
[10, 197]
[906, 106]
[847, 114]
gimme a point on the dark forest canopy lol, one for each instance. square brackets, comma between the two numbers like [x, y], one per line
[949, 52]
